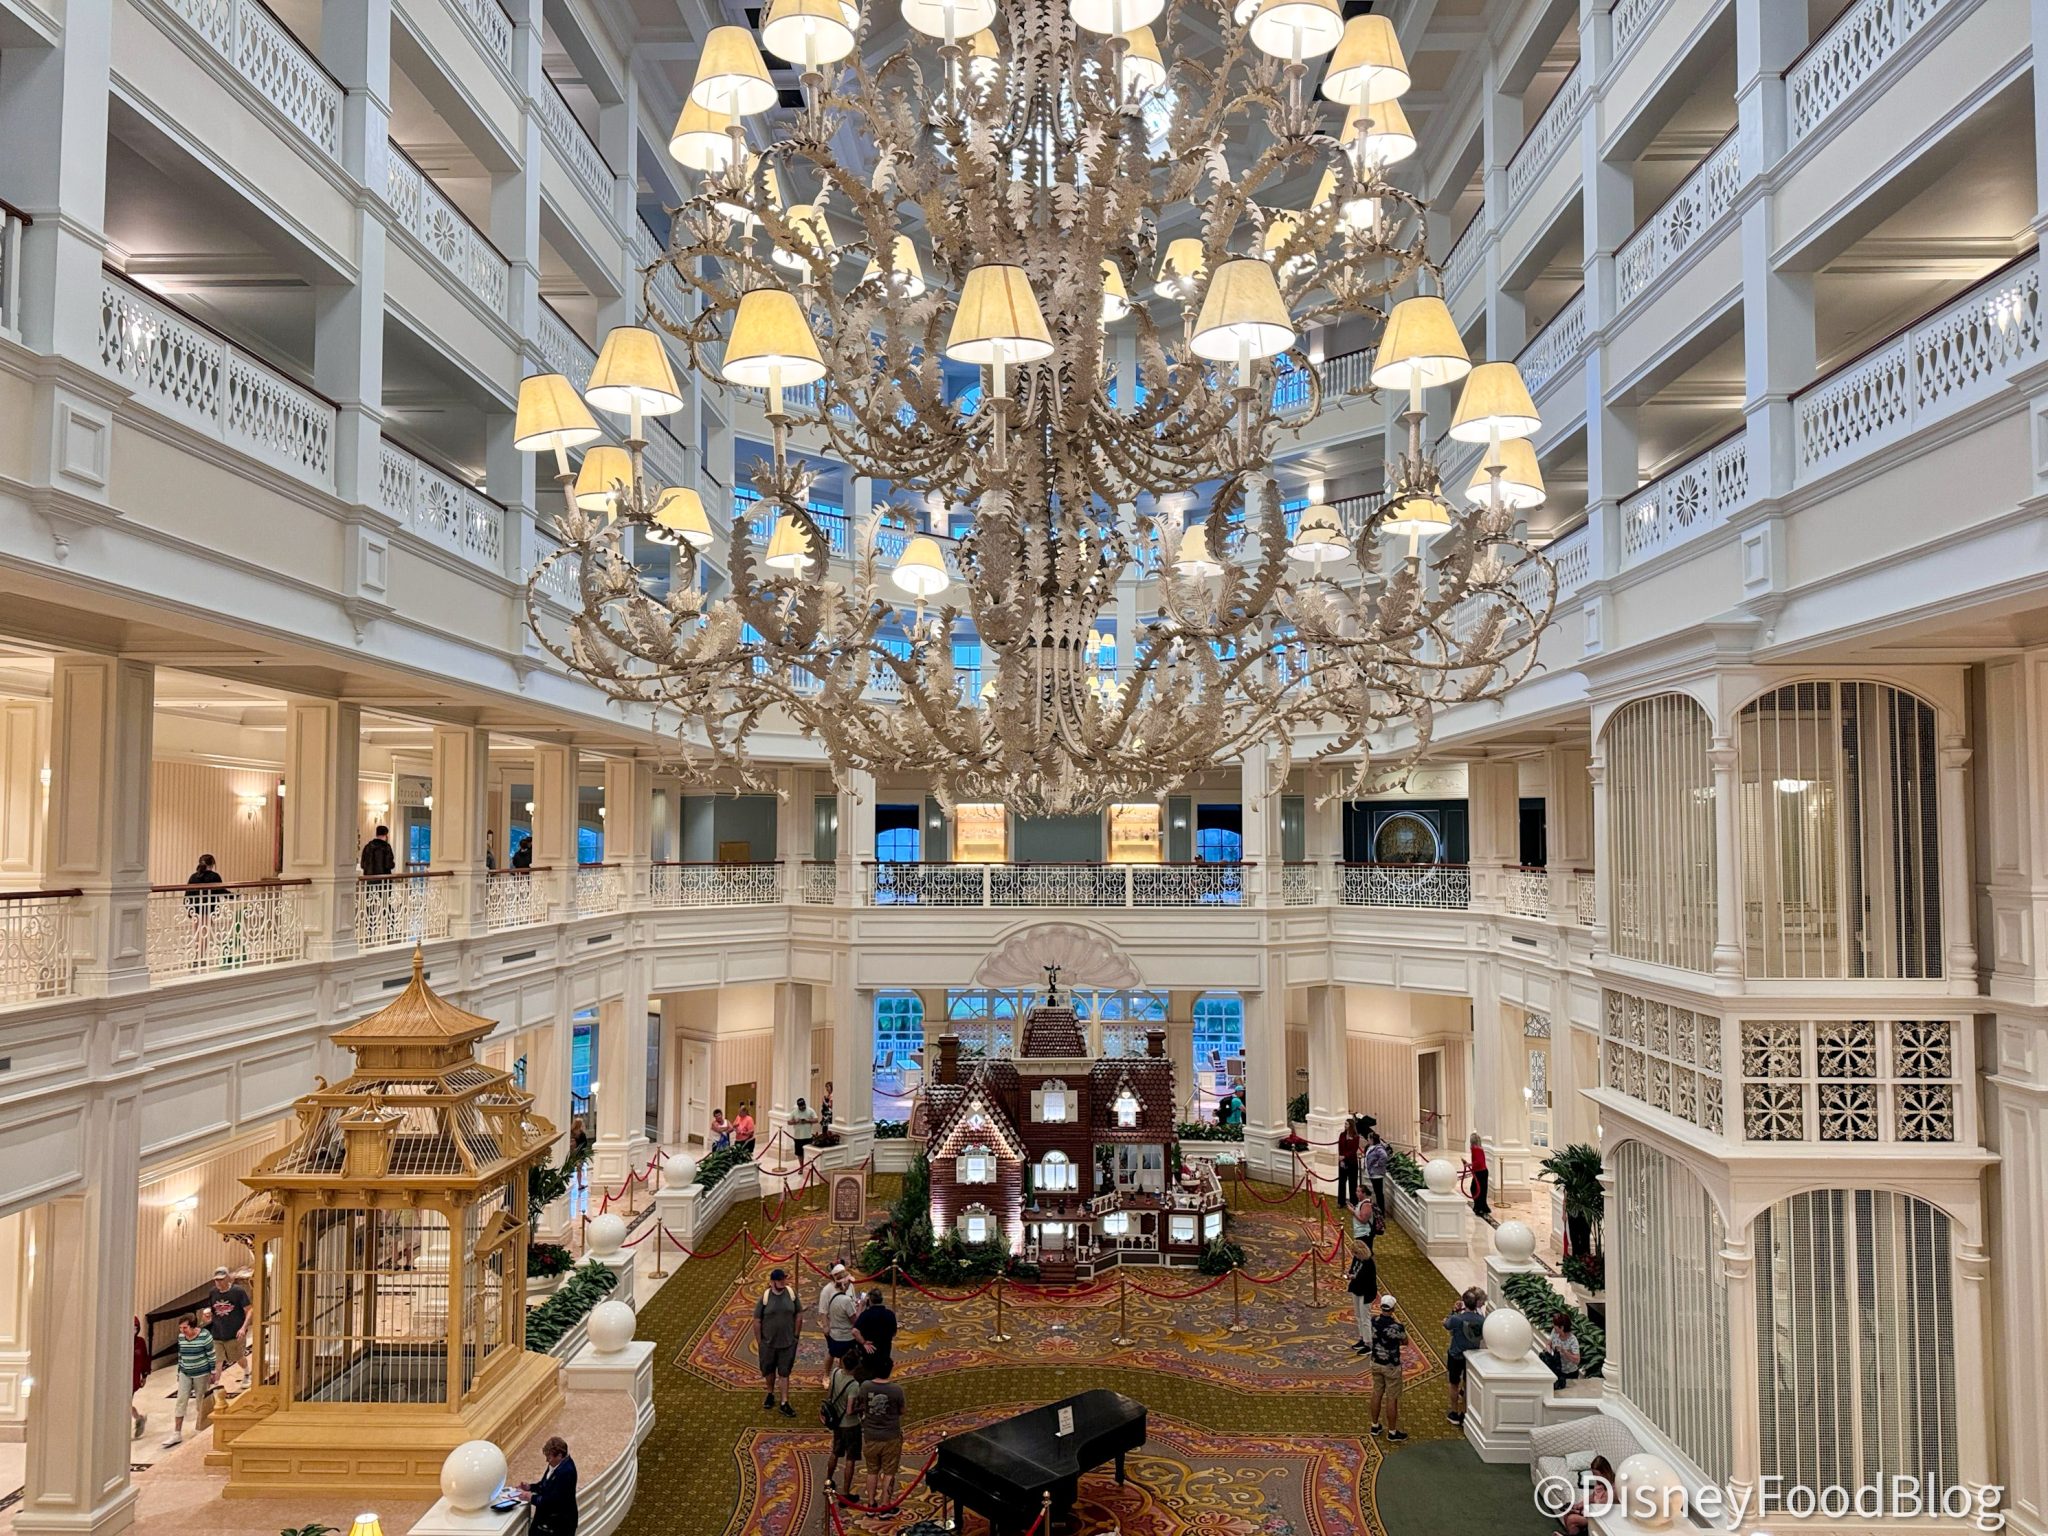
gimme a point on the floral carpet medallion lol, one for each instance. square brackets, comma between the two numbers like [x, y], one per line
[1185, 1480]
[1177, 1321]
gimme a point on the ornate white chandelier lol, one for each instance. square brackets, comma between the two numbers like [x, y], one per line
[1049, 164]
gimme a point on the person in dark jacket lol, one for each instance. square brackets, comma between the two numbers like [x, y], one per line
[554, 1497]
[522, 856]
[379, 858]
[202, 903]
[1349, 1149]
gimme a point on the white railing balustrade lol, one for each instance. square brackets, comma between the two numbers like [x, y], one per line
[1301, 885]
[515, 898]
[1585, 896]
[600, 888]
[821, 883]
[12, 222]
[1463, 261]
[1572, 557]
[1961, 354]
[440, 509]
[662, 285]
[1525, 891]
[1404, 885]
[717, 885]
[424, 212]
[1848, 53]
[1700, 204]
[196, 929]
[1677, 508]
[35, 945]
[1630, 17]
[493, 29]
[562, 349]
[1186, 885]
[570, 140]
[1556, 347]
[1552, 132]
[401, 909]
[176, 366]
[1055, 885]
[1348, 373]
[271, 60]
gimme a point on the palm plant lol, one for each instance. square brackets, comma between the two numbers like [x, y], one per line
[1576, 1171]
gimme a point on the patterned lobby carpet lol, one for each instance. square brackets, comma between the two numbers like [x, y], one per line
[1262, 1431]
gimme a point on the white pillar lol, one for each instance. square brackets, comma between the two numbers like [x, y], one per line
[461, 763]
[1728, 958]
[101, 727]
[853, 1060]
[1265, 1077]
[323, 831]
[555, 817]
[14, 1325]
[1494, 795]
[790, 1069]
[622, 1077]
[628, 814]
[1329, 1088]
[24, 754]
[1737, 1259]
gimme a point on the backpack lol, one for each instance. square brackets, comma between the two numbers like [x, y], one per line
[831, 1412]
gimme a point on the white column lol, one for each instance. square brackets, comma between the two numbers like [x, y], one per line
[101, 726]
[1975, 1468]
[856, 833]
[622, 1077]
[1728, 957]
[461, 763]
[1494, 795]
[853, 1060]
[547, 1079]
[80, 1332]
[323, 832]
[1265, 1077]
[1958, 907]
[555, 770]
[628, 813]
[1567, 827]
[790, 1072]
[1329, 1089]
[14, 1325]
[1738, 1273]
[1603, 877]
[24, 754]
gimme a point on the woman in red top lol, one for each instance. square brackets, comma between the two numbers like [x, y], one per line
[1476, 1160]
[141, 1378]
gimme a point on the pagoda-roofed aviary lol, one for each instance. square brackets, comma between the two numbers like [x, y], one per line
[389, 1241]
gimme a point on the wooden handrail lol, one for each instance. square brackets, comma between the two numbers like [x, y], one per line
[35, 895]
[412, 874]
[13, 212]
[715, 863]
[268, 883]
[1375, 864]
[506, 874]
[1055, 864]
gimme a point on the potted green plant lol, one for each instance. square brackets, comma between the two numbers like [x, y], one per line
[1576, 1172]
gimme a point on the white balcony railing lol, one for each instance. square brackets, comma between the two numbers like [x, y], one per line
[580, 156]
[1525, 891]
[717, 885]
[259, 48]
[195, 929]
[516, 898]
[441, 509]
[1677, 508]
[821, 883]
[424, 212]
[1848, 53]
[600, 888]
[1557, 346]
[1572, 558]
[1055, 885]
[663, 287]
[177, 366]
[562, 349]
[1699, 205]
[1301, 885]
[35, 945]
[12, 222]
[487, 21]
[1630, 17]
[1463, 261]
[1404, 885]
[1961, 354]
[1552, 132]
[401, 909]
[1585, 897]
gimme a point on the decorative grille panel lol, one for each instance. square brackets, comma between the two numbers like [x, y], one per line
[1860, 1080]
[1666, 1056]
[1660, 814]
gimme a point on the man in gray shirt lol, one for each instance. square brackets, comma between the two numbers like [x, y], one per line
[838, 1305]
[778, 1324]
[878, 1404]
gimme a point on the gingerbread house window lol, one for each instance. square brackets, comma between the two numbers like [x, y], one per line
[1126, 1106]
[1052, 1104]
[1116, 1224]
[1058, 1174]
[975, 1165]
[977, 1224]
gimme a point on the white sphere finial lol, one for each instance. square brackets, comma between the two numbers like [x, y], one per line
[1440, 1175]
[1650, 1493]
[1507, 1334]
[611, 1327]
[679, 1171]
[472, 1475]
[607, 1235]
[1514, 1241]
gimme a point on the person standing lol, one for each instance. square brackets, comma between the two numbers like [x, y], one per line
[195, 1372]
[1475, 1156]
[875, 1327]
[1467, 1327]
[825, 1111]
[141, 1373]
[1363, 1284]
[803, 1129]
[230, 1321]
[200, 903]
[778, 1328]
[838, 1305]
[1347, 1163]
[1233, 1113]
[553, 1498]
[721, 1133]
[379, 857]
[878, 1403]
[522, 856]
[490, 849]
[1377, 1155]
[843, 1467]
[743, 1128]
[1388, 1335]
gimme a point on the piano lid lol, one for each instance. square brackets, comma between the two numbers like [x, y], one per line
[1029, 1451]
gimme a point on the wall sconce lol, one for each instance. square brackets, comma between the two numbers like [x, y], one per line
[45, 775]
[529, 807]
[377, 808]
[367, 1524]
[251, 804]
[280, 789]
[600, 813]
[184, 1207]
[427, 801]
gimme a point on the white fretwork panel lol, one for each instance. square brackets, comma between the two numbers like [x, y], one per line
[1666, 1056]
[1849, 1080]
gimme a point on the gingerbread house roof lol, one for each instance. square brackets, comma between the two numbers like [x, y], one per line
[1052, 1029]
[1150, 1078]
[952, 1128]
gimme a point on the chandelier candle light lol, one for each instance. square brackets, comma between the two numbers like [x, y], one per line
[1042, 268]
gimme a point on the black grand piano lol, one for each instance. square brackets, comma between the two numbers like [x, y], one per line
[1004, 1471]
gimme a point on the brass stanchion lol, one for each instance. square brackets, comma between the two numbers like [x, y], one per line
[660, 1231]
[1236, 1316]
[895, 1287]
[999, 1337]
[1123, 1309]
[1315, 1262]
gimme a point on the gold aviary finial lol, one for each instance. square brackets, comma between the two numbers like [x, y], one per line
[419, 962]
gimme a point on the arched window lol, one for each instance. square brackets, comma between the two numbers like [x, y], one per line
[1660, 819]
[1057, 1174]
[1841, 848]
[1052, 1103]
[977, 1224]
[974, 1165]
[1855, 1340]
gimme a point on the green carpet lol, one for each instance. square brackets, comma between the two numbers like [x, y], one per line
[1443, 1486]
[700, 1468]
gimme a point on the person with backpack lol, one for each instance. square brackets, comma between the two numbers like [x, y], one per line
[1467, 1327]
[1388, 1335]
[1377, 1155]
[1364, 1286]
[878, 1404]
[842, 1467]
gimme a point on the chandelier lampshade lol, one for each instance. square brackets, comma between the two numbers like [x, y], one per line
[551, 415]
[1114, 16]
[786, 548]
[1116, 299]
[1521, 481]
[998, 321]
[1195, 558]
[1418, 517]
[771, 346]
[732, 77]
[1296, 29]
[851, 13]
[1420, 348]
[1144, 70]
[1181, 269]
[903, 264]
[983, 57]
[807, 32]
[949, 19]
[633, 375]
[604, 468]
[1367, 65]
[702, 140]
[1360, 210]
[921, 569]
[1243, 314]
[1319, 538]
[679, 518]
[1494, 404]
[1379, 132]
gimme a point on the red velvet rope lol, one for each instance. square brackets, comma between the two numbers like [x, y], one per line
[1283, 1275]
[982, 1290]
[1146, 1290]
[891, 1508]
[1245, 1184]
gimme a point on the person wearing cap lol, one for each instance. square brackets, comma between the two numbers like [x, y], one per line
[778, 1325]
[229, 1321]
[838, 1305]
[1388, 1335]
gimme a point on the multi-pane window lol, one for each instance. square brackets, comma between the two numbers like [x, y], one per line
[1660, 817]
[1058, 1174]
[1218, 1036]
[899, 1029]
[977, 1224]
[975, 1165]
[1126, 1107]
[1052, 1103]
